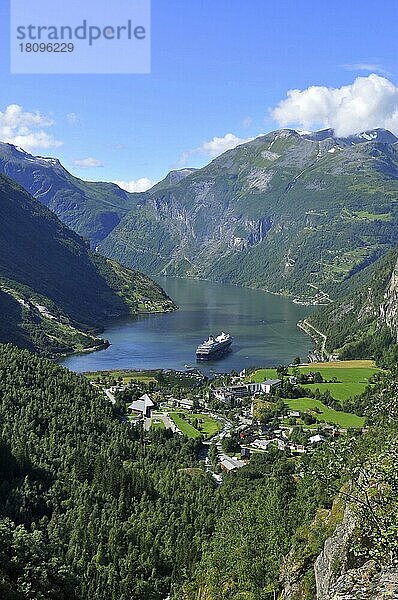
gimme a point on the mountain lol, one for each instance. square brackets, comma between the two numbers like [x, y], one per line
[363, 323]
[91, 209]
[291, 212]
[54, 292]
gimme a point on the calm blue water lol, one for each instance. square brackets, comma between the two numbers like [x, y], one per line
[263, 325]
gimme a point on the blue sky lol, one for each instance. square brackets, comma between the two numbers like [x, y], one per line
[218, 66]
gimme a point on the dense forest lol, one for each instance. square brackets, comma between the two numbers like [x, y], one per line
[93, 508]
[355, 324]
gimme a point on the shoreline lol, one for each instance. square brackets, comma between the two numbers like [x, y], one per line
[170, 309]
[314, 334]
[106, 343]
[294, 299]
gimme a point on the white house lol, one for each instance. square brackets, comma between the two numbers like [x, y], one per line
[142, 407]
[316, 439]
[294, 413]
[270, 384]
[231, 464]
[247, 389]
[263, 444]
[184, 403]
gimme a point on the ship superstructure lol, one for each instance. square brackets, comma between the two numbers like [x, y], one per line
[214, 347]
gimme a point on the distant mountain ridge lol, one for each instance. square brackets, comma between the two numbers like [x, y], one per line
[54, 293]
[292, 212]
[91, 209]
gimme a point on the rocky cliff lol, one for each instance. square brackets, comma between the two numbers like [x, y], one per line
[338, 577]
[336, 573]
[389, 308]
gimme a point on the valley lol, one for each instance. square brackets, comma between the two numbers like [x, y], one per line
[148, 449]
[293, 213]
[199, 300]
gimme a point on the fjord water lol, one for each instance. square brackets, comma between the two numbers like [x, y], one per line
[264, 327]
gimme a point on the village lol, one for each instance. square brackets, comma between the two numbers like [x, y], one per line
[238, 415]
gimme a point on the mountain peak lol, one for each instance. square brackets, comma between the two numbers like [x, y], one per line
[16, 152]
[173, 177]
[370, 135]
[376, 135]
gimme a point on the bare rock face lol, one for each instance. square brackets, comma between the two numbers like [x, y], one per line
[389, 310]
[365, 583]
[338, 578]
[333, 557]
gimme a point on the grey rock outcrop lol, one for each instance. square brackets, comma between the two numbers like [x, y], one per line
[339, 578]
[389, 310]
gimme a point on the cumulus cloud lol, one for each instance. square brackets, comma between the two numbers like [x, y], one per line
[367, 103]
[218, 145]
[88, 163]
[136, 185]
[213, 148]
[26, 129]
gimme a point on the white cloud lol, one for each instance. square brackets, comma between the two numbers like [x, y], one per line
[218, 145]
[370, 67]
[213, 148]
[136, 185]
[367, 103]
[26, 129]
[88, 163]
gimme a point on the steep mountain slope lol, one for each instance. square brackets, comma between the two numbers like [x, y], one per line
[53, 291]
[289, 212]
[91, 209]
[364, 322]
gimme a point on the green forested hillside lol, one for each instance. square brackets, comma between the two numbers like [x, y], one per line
[54, 293]
[291, 212]
[287, 212]
[358, 324]
[88, 508]
[91, 507]
[92, 209]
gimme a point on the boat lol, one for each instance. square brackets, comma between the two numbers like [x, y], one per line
[214, 347]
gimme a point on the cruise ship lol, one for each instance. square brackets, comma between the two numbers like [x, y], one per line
[214, 347]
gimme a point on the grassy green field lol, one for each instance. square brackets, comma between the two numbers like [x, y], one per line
[156, 424]
[207, 427]
[352, 376]
[184, 426]
[263, 374]
[326, 414]
[125, 376]
[368, 216]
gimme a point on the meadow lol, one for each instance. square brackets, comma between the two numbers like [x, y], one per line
[344, 379]
[325, 414]
[207, 426]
